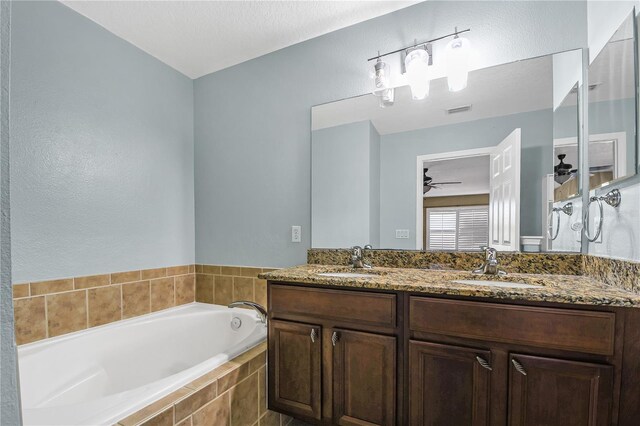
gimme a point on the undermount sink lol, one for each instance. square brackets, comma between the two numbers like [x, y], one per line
[504, 284]
[346, 275]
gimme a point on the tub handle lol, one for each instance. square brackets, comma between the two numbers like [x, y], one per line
[313, 335]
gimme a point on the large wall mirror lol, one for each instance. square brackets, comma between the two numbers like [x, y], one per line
[613, 145]
[457, 170]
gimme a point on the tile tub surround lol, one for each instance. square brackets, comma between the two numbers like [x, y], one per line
[233, 394]
[224, 284]
[571, 289]
[526, 263]
[51, 308]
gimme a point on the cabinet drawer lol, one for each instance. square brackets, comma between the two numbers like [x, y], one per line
[378, 309]
[567, 329]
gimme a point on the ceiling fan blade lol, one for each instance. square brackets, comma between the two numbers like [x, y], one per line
[446, 183]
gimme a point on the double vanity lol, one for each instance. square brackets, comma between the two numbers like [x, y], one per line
[387, 346]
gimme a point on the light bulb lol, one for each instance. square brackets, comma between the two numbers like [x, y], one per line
[380, 76]
[457, 56]
[417, 66]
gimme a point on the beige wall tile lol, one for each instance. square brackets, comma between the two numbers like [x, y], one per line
[262, 390]
[125, 277]
[244, 402]
[250, 272]
[193, 402]
[20, 290]
[53, 286]
[162, 293]
[104, 304]
[232, 377]
[230, 270]
[214, 413]
[136, 299]
[66, 312]
[148, 274]
[204, 288]
[91, 281]
[223, 290]
[260, 291]
[30, 319]
[156, 407]
[211, 269]
[192, 269]
[178, 270]
[185, 289]
[186, 422]
[243, 288]
[270, 418]
[198, 269]
[258, 361]
[164, 418]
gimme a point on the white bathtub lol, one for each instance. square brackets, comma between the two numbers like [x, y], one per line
[100, 375]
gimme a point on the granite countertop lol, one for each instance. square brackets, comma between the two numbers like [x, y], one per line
[573, 289]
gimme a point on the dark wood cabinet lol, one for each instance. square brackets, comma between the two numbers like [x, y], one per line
[364, 378]
[369, 357]
[295, 352]
[554, 392]
[448, 385]
[350, 376]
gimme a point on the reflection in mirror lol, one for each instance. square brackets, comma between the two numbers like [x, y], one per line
[562, 188]
[612, 109]
[453, 172]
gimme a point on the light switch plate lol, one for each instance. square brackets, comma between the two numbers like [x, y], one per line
[296, 234]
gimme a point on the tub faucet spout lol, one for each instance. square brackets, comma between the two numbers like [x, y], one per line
[262, 312]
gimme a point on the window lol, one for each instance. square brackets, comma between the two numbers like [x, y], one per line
[457, 228]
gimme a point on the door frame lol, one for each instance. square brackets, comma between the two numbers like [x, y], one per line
[420, 160]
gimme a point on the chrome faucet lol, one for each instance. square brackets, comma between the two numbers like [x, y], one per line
[490, 265]
[262, 312]
[357, 257]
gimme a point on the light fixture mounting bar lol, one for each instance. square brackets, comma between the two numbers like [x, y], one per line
[454, 34]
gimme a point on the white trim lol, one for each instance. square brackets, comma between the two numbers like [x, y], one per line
[619, 148]
[420, 160]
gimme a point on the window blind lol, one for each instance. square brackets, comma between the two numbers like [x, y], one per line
[458, 228]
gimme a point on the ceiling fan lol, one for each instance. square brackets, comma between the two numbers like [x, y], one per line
[563, 171]
[428, 183]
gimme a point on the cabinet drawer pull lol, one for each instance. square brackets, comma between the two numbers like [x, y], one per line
[334, 338]
[519, 367]
[313, 335]
[484, 363]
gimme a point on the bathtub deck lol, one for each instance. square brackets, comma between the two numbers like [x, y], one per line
[234, 393]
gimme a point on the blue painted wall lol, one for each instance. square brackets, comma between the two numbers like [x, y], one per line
[252, 121]
[101, 150]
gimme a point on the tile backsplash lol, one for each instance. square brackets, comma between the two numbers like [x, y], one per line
[224, 284]
[51, 308]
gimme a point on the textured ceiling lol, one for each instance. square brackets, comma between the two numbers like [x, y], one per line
[200, 37]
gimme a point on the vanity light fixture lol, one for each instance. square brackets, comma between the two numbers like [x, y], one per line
[416, 65]
[417, 71]
[381, 84]
[457, 61]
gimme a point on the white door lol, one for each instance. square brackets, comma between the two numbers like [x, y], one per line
[504, 199]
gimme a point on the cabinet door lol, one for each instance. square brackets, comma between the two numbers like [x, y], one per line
[547, 391]
[294, 368]
[448, 385]
[364, 378]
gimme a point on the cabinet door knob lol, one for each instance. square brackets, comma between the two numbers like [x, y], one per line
[483, 362]
[335, 337]
[518, 367]
[313, 335]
